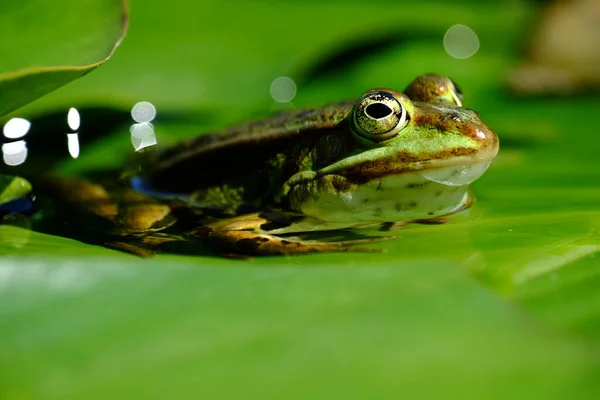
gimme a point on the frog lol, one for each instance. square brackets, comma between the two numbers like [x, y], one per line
[386, 159]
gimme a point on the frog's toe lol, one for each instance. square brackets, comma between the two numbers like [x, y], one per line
[146, 246]
[248, 242]
[132, 248]
[362, 241]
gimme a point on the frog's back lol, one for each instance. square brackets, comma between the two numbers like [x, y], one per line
[246, 161]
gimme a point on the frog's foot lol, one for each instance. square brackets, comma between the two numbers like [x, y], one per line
[132, 248]
[242, 236]
[393, 226]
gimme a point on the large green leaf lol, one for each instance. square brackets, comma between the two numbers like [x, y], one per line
[47, 44]
[84, 328]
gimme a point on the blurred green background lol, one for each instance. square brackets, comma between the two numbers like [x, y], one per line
[500, 302]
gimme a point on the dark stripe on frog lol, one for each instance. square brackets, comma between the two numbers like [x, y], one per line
[369, 170]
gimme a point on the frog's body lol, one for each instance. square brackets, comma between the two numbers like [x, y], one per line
[384, 158]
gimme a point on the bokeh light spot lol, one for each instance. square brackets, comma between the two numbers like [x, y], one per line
[73, 144]
[143, 111]
[461, 42]
[14, 153]
[73, 119]
[142, 135]
[283, 89]
[16, 128]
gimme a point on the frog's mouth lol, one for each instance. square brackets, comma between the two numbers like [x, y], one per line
[457, 175]
[463, 166]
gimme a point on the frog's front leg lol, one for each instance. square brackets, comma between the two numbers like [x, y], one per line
[245, 235]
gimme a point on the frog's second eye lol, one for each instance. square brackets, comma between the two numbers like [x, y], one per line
[379, 116]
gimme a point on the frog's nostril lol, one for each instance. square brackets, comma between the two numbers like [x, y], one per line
[451, 116]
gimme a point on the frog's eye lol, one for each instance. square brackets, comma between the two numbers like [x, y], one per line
[435, 89]
[379, 116]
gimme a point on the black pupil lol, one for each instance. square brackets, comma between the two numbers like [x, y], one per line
[378, 110]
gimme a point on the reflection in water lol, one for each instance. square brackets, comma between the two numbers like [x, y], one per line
[16, 128]
[460, 41]
[283, 89]
[14, 153]
[142, 133]
[73, 144]
[73, 119]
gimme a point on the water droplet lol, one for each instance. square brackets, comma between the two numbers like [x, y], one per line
[16, 128]
[283, 89]
[460, 41]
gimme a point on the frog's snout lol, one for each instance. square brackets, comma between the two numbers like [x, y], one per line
[472, 126]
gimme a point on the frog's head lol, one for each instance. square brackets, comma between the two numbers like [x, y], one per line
[414, 158]
[435, 137]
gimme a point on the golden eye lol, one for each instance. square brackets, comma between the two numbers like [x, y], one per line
[379, 116]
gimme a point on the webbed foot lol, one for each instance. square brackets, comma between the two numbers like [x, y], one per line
[146, 246]
[242, 236]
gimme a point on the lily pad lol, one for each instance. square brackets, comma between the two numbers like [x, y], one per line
[46, 45]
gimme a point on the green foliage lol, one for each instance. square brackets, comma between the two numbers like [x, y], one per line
[500, 303]
[13, 187]
[46, 45]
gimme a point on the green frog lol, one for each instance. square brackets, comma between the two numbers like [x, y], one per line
[389, 158]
